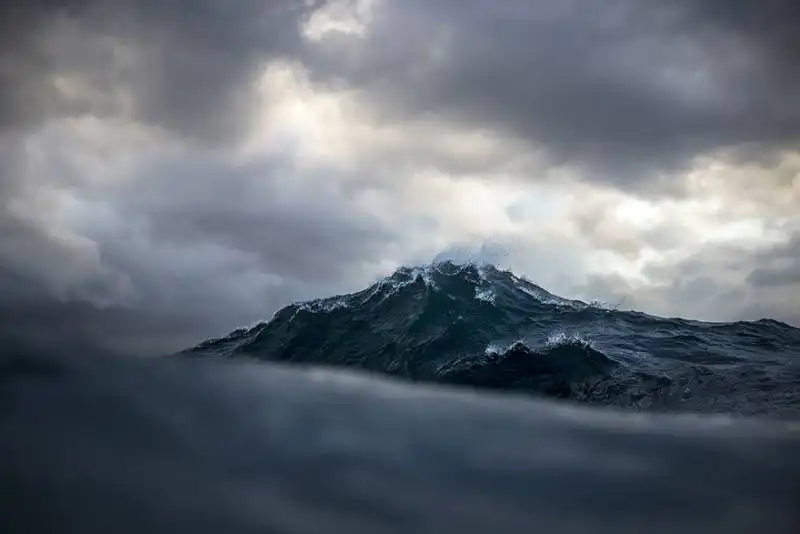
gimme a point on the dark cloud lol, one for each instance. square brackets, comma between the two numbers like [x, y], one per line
[198, 245]
[779, 267]
[769, 28]
[195, 243]
[182, 65]
[191, 245]
[624, 89]
[49, 325]
[723, 282]
[264, 209]
[775, 277]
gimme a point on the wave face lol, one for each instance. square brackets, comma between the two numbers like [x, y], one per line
[479, 326]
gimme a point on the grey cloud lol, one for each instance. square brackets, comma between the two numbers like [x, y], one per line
[188, 245]
[49, 325]
[265, 210]
[769, 27]
[721, 283]
[202, 246]
[596, 223]
[192, 241]
[775, 277]
[694, 297]
[184, 65]
[624, 89]
[50, 298]
[35, 262]
[780, 267]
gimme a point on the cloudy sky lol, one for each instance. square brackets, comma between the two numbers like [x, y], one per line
[172, 169]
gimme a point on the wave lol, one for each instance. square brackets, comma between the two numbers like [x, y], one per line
[480, 326]
[563, 370]
[98, 443]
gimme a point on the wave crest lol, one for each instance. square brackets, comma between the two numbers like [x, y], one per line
[450, 323]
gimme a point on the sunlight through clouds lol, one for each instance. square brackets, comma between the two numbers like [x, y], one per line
[261, 152]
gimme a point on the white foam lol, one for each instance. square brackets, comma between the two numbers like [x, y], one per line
[496, 349]
[561, 338]
[544, 297]
[323, 305]
[485, 294]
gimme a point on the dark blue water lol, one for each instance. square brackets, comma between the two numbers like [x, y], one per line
[482, 327]
[92, 445]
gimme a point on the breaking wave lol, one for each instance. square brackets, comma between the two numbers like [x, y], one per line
[482, 327]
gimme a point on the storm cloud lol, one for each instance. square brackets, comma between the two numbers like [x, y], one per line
[170, 170]
[624, 89]
[184, 66]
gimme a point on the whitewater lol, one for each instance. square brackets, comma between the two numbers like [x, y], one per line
[443, 398]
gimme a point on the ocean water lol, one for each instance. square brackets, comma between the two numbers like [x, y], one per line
[92, 444]
[482, 327]
[445, 398]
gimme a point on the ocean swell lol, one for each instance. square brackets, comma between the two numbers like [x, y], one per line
[482, 327]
